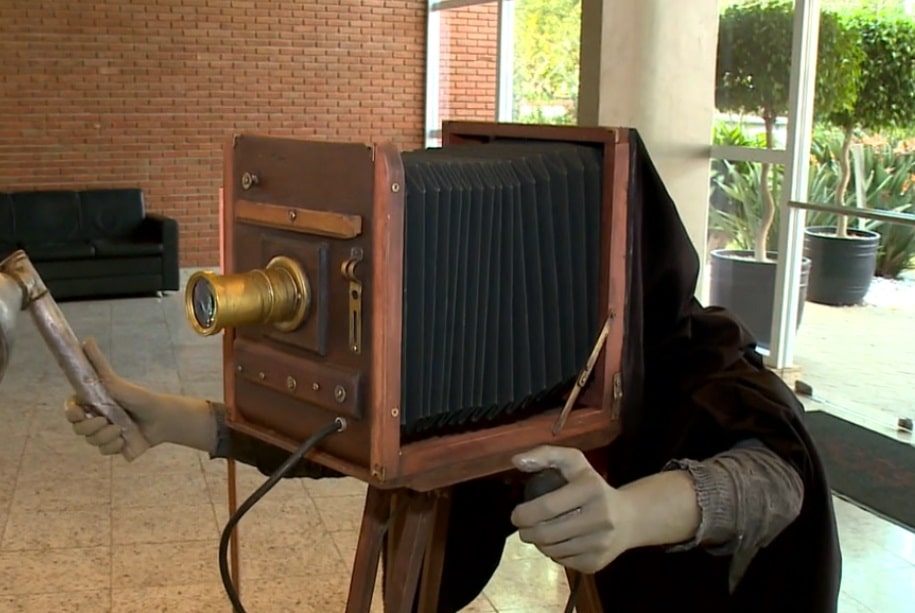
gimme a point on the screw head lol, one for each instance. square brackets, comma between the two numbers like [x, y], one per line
[315, 386]
[292, 215]
[291, 383]
[339, 393]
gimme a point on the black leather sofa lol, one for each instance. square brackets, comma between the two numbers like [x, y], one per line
[91, 243]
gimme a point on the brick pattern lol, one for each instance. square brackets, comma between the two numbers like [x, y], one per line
[145, 92]
[469, 62]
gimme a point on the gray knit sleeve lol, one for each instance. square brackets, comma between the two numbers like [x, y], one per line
[747, 496]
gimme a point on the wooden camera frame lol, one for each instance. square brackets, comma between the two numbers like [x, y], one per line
[338, 209]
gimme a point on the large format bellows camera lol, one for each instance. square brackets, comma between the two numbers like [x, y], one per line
[448, 302]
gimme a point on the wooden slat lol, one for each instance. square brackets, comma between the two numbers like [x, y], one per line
[386, 316]
[295, 219]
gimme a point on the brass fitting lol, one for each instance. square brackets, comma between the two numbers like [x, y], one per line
[279, 294]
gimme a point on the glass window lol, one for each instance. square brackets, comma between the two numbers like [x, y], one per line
[753, 73]
[463, 63]
[545, 60]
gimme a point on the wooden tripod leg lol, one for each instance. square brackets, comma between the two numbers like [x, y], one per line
[399, 502]
[233, 543]
[416, 528]
[587, 599]
[406, 564]
[435, 555]
[375, 519]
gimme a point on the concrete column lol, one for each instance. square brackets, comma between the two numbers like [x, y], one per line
[650, 65]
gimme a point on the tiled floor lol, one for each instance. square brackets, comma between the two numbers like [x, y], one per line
[85, 533]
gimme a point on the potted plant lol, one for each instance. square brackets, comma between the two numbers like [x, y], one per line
[844, 259]
[753, 70]
[738, 280]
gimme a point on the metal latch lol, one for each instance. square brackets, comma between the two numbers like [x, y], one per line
[355, 299]
[584, 375]
[617, 394]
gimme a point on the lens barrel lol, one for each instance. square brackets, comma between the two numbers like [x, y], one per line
[278, 295]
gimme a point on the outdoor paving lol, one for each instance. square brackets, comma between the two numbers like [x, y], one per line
[860, 360]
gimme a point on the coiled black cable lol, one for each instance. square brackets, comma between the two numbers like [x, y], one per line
[338, 425]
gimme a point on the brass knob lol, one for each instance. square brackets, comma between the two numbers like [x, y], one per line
[249, 180]
[340, 393]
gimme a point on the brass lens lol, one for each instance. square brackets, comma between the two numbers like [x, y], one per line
[279, 294]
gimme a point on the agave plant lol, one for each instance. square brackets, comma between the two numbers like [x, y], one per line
[889, 185]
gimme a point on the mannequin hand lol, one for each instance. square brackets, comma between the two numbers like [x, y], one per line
[585, 524]
[160, 417]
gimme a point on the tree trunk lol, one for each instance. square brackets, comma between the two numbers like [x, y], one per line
[844, 180]
[765, 190]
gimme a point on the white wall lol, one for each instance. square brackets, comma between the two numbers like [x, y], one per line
[650, 65]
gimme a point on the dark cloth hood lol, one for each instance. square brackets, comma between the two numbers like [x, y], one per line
[693, 386]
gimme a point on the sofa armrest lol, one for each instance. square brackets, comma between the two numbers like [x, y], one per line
[162, 229]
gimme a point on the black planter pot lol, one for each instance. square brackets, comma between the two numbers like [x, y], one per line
[746, 287]
[843, 268]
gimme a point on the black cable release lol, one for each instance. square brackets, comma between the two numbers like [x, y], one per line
[544, 482]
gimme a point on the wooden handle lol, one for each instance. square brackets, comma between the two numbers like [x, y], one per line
[68, 352]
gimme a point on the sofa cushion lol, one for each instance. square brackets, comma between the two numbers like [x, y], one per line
[51, 216]
[7, 227]
[109, 248]
[110, 269]
[41, 251]
[112, 213]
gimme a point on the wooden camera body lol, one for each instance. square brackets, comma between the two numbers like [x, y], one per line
[311, 303]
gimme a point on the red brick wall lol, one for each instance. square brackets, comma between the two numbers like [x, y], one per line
[144, 92]
[469, 66]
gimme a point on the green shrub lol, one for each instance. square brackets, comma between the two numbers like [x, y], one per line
[753, 76]
[886, 97]
[754, 60]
